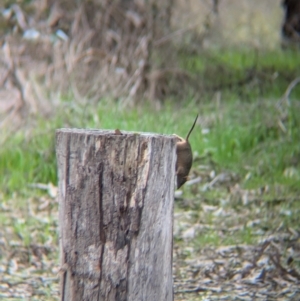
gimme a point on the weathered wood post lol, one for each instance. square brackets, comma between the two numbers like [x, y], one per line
[116, 195]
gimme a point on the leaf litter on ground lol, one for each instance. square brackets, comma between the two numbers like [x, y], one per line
[235, 246]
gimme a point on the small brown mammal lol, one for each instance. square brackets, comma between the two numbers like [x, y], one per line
[184, 157]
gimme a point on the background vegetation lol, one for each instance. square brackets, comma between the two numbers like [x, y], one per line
[236, 221]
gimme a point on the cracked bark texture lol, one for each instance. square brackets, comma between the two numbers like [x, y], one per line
[116, 197]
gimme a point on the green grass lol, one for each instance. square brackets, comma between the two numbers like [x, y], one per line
[243, 137]
[248, 140]
[27, 159]
[245, 73]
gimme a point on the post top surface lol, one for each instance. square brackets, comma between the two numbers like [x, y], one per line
[108, 132]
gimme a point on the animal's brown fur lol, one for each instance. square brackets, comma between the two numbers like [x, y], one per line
[184, 157]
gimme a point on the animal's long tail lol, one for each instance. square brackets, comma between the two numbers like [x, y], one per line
[188, 135]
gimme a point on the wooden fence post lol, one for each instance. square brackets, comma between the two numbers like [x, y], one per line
[116, 195]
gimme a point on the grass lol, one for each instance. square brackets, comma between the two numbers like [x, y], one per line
[246, 73]
[244, 138]
[253, 144]
[248, 138]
